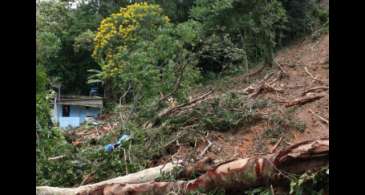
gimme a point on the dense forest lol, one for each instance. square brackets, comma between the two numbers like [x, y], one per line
[163, 68]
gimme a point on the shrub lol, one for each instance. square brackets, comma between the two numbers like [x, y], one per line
[218, 53]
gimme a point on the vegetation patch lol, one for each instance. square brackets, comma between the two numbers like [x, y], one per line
[280, 126]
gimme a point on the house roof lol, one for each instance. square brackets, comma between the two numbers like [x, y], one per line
[90, 101]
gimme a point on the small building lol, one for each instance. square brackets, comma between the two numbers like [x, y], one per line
[71, 111]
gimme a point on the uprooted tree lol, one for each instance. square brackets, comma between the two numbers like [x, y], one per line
[238, 174]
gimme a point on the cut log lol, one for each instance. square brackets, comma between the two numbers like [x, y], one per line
[302, 100]
[238, 174]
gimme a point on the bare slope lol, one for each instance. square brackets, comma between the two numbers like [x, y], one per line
[306, 63]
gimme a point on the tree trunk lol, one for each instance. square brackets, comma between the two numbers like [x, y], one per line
[238, 174]
[139, 177]
[108, 90]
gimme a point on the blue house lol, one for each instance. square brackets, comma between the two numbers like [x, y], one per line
[72, 111]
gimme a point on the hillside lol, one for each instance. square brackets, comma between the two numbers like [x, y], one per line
[303, 73]
[193, 97]
[249, 141]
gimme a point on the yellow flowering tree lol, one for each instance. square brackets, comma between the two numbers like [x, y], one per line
[138, 49]
[119, 32]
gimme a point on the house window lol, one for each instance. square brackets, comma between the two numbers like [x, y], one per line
[65, 111]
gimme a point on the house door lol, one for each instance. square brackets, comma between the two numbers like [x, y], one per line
[65, 111]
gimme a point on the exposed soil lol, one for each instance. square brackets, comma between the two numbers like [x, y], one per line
[245, 142]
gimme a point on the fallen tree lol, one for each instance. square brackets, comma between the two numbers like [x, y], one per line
[142, 176]
[267, 84]
[237, 174]
[177, 108]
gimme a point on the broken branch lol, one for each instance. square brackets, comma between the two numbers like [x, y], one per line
[276, 145]
[56, 157]
[205, 149]
[314, 89]
[319, 116]
[306, 99]
[169, 111]
[87, 178]
[255, 89]
[311, 75]
[280, 67]
[177, 84]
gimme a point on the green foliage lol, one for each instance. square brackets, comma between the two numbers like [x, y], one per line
[259, 191]
[303, 17]
[48, 45]
[230, 112]
[218, 53]
[177, 10]
[251, 25]
[42, 97]
[249, 31]
[96, 76]
[217, 191]
[146, 55]
[103, 8]
[311, 183]
[58, 27]
[84, 42]
[316, 183]
[50, 143]
[41, 79]
[281, 125]
[89, 159]
[220, 114]
[52, 16]
[189, 32]
[256, 28]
